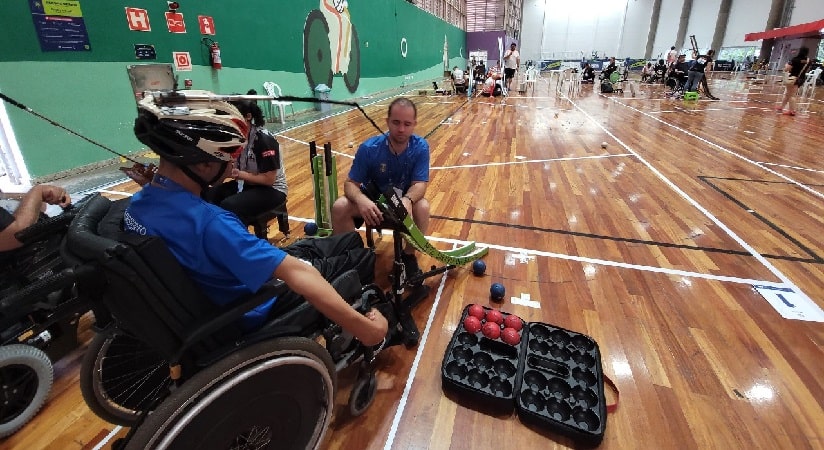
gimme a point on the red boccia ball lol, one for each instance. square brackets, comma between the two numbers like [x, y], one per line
[513, 321]
[492, 330]
[477, 311]
[472, 324]
[511, 336]
[493, 315]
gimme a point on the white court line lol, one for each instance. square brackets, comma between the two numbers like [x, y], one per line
[390, 439]
[570, 158]
[107, 438]
[790, 167]
[694, 203]
[712, 144]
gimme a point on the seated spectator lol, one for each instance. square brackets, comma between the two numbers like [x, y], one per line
[609, 69]
[258, 182]
[458, 79]
[588, 74]
[646, 72]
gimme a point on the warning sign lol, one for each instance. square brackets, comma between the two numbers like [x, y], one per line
[207, 25]
[183, 63]
[175, 23]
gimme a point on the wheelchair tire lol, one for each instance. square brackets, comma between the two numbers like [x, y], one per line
[273, 394]
[363, 394]
[121, 376]
[26, 376]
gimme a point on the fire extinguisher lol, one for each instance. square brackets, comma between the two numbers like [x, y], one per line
[214, 52]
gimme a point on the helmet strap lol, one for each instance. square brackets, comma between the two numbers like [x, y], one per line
[204, 185]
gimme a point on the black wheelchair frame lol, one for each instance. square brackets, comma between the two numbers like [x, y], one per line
[39, 314]
[178, 370]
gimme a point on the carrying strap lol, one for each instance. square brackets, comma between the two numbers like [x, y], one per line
[611, 408]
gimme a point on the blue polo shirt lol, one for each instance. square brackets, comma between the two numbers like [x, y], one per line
[212, 245]
[374, 161]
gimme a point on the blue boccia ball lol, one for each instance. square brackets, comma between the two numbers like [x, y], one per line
[311, 229]
[478, 267]
[497, 291]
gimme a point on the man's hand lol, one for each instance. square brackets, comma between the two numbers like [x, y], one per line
[370, 212]
[54, 195]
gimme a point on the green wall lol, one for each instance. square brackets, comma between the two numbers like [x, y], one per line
[260, 40]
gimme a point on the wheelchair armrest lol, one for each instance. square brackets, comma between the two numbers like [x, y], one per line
[229, 315]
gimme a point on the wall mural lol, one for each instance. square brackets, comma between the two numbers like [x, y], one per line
[331, 46]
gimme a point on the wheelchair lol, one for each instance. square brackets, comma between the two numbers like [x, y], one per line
[676, 85]
[39, 312]
[178, 370]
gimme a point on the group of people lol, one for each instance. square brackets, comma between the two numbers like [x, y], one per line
[199, 215]
[218, 165]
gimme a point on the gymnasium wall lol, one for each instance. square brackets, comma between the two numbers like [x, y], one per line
[260, 40]
[621, 28]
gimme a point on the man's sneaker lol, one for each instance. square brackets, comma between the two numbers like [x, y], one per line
[410, 264]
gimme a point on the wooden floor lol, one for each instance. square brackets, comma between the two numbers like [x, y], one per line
[652, 246]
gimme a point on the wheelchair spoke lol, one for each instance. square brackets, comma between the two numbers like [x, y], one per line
[254, 438]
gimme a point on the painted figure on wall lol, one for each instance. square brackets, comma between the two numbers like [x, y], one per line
[331, 45]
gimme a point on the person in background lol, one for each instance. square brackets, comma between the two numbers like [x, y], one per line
[588, 74]
[696, 71]
[795, 71]
[258, 181]
[512, 60]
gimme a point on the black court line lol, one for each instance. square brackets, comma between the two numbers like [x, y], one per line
[426, 136]
[815, 257]
[627, 240]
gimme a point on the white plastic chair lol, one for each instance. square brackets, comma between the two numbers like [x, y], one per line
[807, 90]
[273, 90]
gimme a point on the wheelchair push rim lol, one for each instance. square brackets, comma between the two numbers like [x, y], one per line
[277, 393]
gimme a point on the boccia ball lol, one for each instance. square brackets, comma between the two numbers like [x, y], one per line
[492, 330]
[493, 315]
[472, 324]
[603, 145]
[497, 291]
[477, 311]
[310, 229]
[478, 267]
[514, 322]
[510, 336]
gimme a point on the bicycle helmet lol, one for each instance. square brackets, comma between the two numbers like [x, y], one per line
[187, 131]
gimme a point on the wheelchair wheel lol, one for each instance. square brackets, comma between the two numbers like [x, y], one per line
[363, 393]
[121, 376]
[26, 377]
[273, 394]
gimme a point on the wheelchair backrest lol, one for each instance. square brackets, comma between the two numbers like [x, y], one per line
[146, 290]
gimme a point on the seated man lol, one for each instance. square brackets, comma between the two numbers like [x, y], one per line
[196, 142]
[609, 69]
[678, 72]
[399, 161]
[258, 182]
[27, 213]
[588, 74]
[458, 80]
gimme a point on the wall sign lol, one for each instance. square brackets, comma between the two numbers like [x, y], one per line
[59, 25]
[138, 19]
[175, 23]
[144, 51]
[183, 62]
[207, 25]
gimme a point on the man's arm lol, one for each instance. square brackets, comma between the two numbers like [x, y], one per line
[263, 179]
[367, 209]
[306, 281]
[29, 210]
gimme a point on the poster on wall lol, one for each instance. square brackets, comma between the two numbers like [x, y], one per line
[138, 19]
[183, 62]
[59, 25]
[175, 22]
[207, 25]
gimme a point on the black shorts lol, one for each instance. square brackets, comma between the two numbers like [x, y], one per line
[510, 73]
